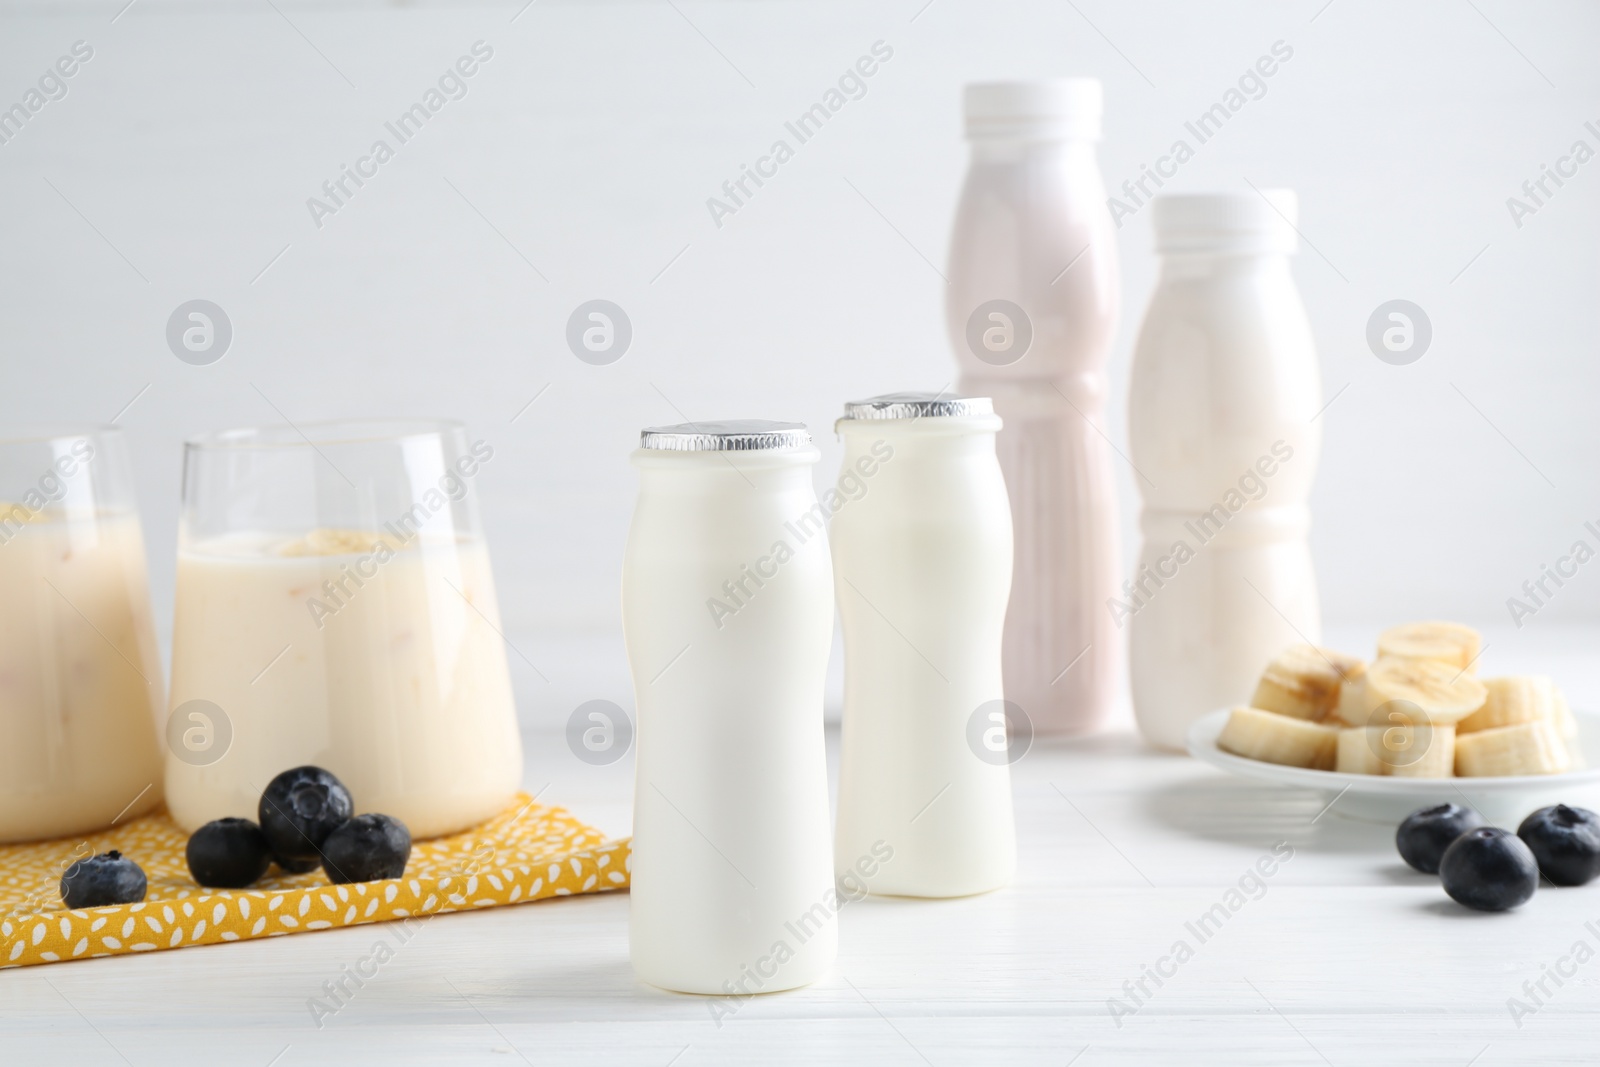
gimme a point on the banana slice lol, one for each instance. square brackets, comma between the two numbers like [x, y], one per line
[1304, 682]
[1513, 699]
[1442, 695]
[1419, 751]
[1448, 642]
[1358, 754]
[1402, 751]
[1565, 724]
[1523, 748]
[1352, 707]
[1274, 738]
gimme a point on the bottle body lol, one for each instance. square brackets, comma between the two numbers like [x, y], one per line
[922, 565]
[1032, 232]
[1200, 642]
[728, 616]
[1224, 395]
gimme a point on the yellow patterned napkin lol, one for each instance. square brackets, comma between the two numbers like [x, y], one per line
[528, 852]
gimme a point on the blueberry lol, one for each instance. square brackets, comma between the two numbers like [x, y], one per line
[1425, 834]
[109, 878]
[228, 853]
[1565, 841]
[367, 848]
[298, 810]
[1489, 869]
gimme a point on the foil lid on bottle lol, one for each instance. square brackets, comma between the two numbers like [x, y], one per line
[1257, 221]
[918, 406]
[1058, 108]
[731, 435]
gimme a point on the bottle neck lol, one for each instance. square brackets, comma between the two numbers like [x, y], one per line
[744, 475]
[1220, 262]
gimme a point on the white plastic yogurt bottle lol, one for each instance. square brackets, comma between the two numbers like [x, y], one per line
[922, 570]
[1224, 396]
[727, 610]
[1030, 309]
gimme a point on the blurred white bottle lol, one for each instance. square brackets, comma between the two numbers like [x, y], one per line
[922, 567]
[1224, 394]
[1031, 305]
[727, 610]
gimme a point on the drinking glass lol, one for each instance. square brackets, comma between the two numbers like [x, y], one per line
[335, 607]
[80, 671]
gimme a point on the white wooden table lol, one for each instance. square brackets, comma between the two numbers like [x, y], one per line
[1347, 957]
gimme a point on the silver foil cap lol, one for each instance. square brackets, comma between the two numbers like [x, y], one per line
[918, 406]
[731, 435]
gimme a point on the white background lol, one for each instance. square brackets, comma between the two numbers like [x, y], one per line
[591, 141]
[184, 153]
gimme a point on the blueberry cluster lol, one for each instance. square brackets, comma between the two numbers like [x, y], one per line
[1490, 869]
[306, 820]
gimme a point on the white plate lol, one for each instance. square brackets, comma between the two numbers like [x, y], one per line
[1384, 799]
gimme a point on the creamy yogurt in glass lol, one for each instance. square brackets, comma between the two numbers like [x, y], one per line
[80, 671]
[371, 649]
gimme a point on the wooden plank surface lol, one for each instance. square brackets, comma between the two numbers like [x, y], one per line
[1341, 956]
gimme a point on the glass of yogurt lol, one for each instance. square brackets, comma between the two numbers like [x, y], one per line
[335, 607]
[80, 672]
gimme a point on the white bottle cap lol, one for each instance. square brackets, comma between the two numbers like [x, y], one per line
[1227, 222]
[1041, 110]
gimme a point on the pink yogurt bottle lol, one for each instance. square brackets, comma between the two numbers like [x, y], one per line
[1032, 299]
